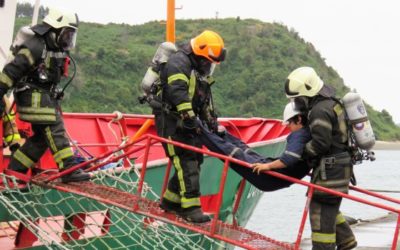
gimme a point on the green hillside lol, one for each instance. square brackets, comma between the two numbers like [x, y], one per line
[113, 58]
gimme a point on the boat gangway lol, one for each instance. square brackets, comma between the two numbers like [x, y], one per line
[230, 233]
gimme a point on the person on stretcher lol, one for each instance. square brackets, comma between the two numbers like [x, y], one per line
[290, 163]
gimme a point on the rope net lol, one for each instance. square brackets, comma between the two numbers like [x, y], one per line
[62, 220]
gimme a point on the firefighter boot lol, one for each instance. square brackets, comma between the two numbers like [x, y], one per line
[21, 170]
[170, 207]
[194, 215]
[18, 168]
[75, 176]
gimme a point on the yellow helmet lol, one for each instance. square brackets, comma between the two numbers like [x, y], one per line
[58, 19]
[303, 81]
[209, 45]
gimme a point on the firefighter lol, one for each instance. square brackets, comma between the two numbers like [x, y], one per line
[328, 154]
[34, 73]
[186, 96]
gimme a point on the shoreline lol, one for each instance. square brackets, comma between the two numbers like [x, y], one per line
[386, 145]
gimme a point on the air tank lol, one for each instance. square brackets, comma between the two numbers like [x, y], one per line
[24, 34]
[357, 114]
[152, 77]
[164, 51]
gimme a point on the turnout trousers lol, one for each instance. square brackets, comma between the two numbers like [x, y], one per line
[330, 230]
[184, 185]
[44, 136]
[329, 227]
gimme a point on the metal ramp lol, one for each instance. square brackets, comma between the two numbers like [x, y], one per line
[216, 229]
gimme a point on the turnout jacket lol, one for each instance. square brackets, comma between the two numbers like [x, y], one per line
[184, 89]
[34, 72]
[328, 150]
[328, 128]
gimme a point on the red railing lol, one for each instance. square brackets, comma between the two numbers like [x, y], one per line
[151, 139]
[98, 133]
[311, 189]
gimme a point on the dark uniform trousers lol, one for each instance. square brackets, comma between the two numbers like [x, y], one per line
[45, 136]
[329, 228]
[184, 185]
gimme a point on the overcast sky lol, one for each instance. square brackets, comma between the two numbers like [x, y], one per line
[358, 38]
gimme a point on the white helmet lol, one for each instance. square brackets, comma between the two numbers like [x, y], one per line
[67, 24]
[289, 112]
[58, 19]
[303, 81]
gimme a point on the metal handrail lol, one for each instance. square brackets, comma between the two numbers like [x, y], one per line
[311, 187]
[152, 139]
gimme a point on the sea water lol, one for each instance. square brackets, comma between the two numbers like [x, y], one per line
[279, 213]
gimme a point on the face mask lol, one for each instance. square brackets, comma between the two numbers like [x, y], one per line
[204, 66]
[67, 38]
[301, 103]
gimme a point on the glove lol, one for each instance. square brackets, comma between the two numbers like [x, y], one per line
[189, 124]
[209, 118]
[213, 125]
